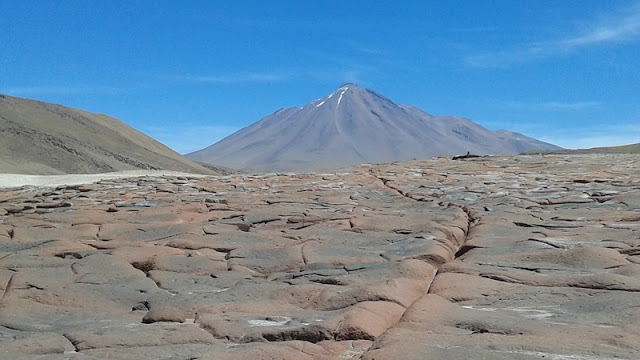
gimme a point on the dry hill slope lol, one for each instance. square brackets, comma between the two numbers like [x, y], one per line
[624, 149]
[351, 126]
[43, 138]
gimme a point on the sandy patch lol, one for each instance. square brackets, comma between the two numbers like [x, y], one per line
[18, 180]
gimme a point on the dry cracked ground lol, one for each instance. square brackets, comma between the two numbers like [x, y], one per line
[525, 257]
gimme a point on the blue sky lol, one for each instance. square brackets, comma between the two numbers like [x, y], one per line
[189, 73]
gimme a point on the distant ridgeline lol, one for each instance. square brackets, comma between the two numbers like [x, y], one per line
[351, 126]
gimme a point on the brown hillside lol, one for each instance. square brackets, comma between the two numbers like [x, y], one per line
[43, 138]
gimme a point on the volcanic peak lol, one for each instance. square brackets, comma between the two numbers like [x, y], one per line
[353, 125]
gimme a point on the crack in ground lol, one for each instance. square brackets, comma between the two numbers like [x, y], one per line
[8, 287]
[512, 280]
[452, 244]
[74, 342]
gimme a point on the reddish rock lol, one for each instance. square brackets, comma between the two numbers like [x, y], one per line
[164, 314]
[494, 258]
[36, 344]
[368, 320]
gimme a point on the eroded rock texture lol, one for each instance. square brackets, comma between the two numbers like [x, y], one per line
[488, 258]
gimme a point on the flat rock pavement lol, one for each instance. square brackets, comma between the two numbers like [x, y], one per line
[523, 257]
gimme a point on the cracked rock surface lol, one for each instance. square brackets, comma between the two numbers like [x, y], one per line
[523, 257]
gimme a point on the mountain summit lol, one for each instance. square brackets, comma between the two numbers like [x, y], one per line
[354, 125]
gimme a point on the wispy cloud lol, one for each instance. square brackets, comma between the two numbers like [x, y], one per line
[621, 27]
[571, 106]
[549, 105]
[365, 49]
[235, 78]
[614, 135]
[472, 29]
[345, 71]
[185, 139]
[617, 29]
[58, 90]
[339, 68]
[501, 59]
[357, 75]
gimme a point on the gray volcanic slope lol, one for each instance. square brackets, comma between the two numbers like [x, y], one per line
[352, 126]
[44, 139]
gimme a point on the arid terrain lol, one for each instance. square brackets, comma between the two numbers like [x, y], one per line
[523, 257]
[44, 139]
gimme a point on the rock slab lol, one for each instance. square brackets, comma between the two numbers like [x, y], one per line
[521, 257]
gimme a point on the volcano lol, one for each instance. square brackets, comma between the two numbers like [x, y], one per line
[354, 125]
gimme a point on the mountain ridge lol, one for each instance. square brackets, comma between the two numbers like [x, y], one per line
[619, 149]
[353, 125]
[47, 139]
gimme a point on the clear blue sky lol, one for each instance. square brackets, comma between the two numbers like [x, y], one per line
[191, 72]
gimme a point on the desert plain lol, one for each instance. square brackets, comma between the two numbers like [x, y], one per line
[518, 257]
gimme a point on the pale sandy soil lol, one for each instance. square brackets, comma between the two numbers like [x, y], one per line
[17, 180]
